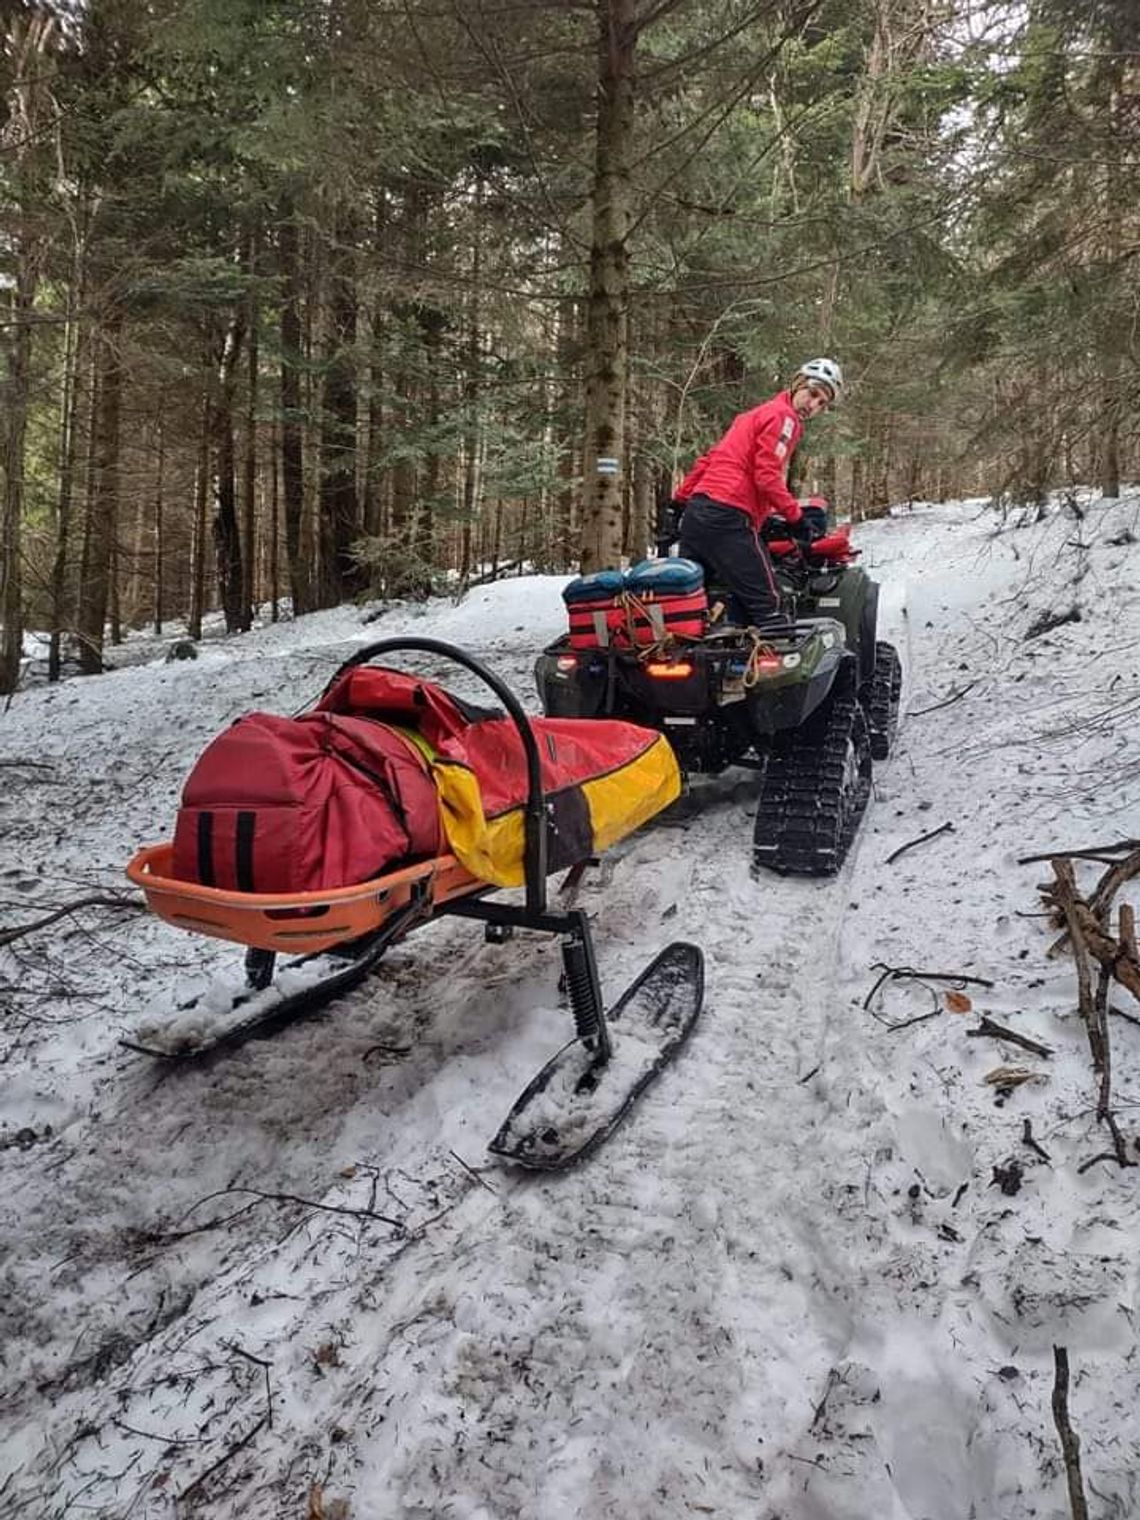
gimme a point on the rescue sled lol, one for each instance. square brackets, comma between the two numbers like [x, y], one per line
[511, 827]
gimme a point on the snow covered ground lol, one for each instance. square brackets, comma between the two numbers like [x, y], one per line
[818, 1275]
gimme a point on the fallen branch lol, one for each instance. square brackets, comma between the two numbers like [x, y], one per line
[1000, 1032]
[259, 1197]
[1027, 1139]
[1128, 931]
[473, 1174]
[1110, 883]
[1070, 1443]
[258, 1361]
[1087, 924]
[912, 973]
[1105, 890]
[9, 936]
[908, 973]
[955, 696]
[947, 828]
[227, 1456]
[1089, 937]
[1090, 852]
[1063, 893]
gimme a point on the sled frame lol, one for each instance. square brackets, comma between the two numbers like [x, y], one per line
[578, 958]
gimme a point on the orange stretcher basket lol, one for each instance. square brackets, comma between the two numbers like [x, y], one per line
[295, 922]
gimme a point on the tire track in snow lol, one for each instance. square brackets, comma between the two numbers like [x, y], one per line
[679, 1252]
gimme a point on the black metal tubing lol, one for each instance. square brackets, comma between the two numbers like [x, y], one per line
[489, 911]
[577, 945]
[534, 855]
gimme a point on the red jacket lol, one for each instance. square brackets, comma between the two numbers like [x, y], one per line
[748, 467]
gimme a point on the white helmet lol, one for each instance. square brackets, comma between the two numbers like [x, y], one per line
[826, 371]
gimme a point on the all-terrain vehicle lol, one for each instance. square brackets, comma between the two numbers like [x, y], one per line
[812, 708]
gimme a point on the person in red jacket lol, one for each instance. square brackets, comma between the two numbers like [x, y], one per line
[742, 481]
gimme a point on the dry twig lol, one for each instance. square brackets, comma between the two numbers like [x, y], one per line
[946, 828]
[1105, 890]
[955, 696]
[9, 936]
[1000, 1032]
[1090, 852]
[908, 973]
[226, 1456]
[1028, 1139]
[1070, 1442]
[257, 1197]
[1090, 938]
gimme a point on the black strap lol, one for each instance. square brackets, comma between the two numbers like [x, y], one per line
[206, 848]
[243, 851]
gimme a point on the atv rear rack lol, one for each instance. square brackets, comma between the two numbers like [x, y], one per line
[352, 927]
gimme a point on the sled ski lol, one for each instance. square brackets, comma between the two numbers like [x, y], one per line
[270, 1006]
[579, 1098]
[345, 932]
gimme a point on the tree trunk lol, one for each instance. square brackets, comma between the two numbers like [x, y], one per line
[292, 436]
[341, 575]
[606, 318]
[1116, 338]
[71, 409]
[566, 440]
[432, 323]
[472, 389]
[227, 540]
[198, 539]
[16, 396]
[24, 41]
[858, 504]
[405, 480]
[249, 458]
[373, 474]
[103, 504]
[274, 535]
[159, 525]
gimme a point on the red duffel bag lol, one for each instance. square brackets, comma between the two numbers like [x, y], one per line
[302, 804]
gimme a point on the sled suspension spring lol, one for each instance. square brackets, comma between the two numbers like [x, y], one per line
[583, 989]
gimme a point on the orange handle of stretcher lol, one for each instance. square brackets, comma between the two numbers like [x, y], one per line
[293, 922]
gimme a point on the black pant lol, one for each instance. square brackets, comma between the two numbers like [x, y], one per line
[725, 540]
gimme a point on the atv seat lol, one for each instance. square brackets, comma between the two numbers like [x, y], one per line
[831, 548]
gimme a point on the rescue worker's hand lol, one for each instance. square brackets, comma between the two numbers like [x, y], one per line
[814, 523]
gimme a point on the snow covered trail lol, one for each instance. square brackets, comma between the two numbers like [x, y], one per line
[950, 1289]
[676, 1231]
[789, 1288]
[653, 1277]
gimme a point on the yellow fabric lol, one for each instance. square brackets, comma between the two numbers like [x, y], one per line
[479, 846]
[625, 799]
[493, 849]
[413, 737]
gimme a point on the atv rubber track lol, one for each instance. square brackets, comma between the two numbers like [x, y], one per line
[881, 696]
[816, 788]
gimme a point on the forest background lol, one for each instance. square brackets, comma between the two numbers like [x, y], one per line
[302, 300]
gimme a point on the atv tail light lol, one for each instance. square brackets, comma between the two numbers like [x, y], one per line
[666, 670]
[769, 664]
[567, 662]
